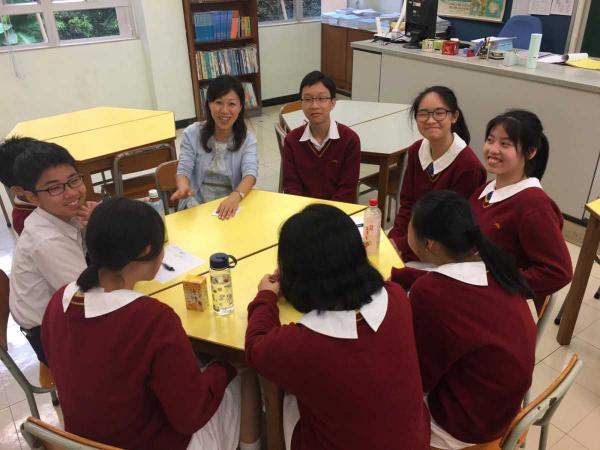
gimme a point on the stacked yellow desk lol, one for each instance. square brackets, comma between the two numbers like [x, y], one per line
[95, 136]
[252, 237]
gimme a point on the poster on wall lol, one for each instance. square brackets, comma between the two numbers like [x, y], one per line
[486, 10]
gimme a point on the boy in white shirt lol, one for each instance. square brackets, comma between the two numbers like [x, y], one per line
[50, 251]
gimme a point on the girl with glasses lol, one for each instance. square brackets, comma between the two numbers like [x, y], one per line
[441, 160]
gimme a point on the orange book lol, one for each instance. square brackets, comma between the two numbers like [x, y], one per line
[233, 34]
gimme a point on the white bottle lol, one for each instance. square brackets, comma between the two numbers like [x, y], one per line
[372, 227]
[156, 202]
[534, 50]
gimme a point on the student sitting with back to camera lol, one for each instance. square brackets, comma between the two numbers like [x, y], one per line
[474, 330]
[138, 387]
[321, 159]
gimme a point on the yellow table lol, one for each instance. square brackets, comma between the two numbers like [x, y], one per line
[95, 136]
[255, 228]
[581, 276]
[224, 336]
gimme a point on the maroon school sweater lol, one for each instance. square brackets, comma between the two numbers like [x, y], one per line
[353, 394]
[330, 173]
[129, 378]
[528, 226]
[464, 176]
[476, 347]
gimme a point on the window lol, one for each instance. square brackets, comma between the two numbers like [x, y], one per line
[288, 10]
[50, 23]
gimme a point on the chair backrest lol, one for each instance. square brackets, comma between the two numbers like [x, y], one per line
[280, 134]
[544, 316]
[288, 108]
[40, 434]
[138, 160]
[10, 364]
[166, 182]
[521, 27]
[541, 410]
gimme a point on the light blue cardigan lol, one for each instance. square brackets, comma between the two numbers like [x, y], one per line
[194, 160]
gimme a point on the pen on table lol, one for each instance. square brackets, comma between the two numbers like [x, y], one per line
[359, 225]
[168, 267]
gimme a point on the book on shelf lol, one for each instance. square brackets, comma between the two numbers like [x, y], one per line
[250, 103]
[221, 25]
[227, 61]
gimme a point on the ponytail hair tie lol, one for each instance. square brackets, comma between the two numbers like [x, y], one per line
[474, 235]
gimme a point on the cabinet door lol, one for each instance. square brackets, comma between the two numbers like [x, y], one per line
[354, 35]
[333, 53]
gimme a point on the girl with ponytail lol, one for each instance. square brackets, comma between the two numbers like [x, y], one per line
[513, 209]
[148, 392]
[441, 160]
[474, 331]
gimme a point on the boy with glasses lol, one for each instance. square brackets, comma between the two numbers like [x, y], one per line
[50, 251]
[321, 159]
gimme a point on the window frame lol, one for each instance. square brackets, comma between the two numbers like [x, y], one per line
[298, 17]
[46, 10]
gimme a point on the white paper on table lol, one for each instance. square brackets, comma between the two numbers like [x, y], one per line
[562, 7]
[237, 211]
[520, 8]
[178, 259]
[540, 7]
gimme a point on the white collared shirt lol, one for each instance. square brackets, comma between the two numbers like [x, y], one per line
[457, 146]
[508, 191]
[49, 254]
[473, 272]
[97, 302]
[333, 133]
[342, 324]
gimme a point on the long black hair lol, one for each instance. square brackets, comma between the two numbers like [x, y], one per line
[119, 230]
[449, 98]
[217, 88]
[446, 217]
[526, 132]
[322, 261]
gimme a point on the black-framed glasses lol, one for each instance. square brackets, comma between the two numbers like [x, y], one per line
[59, 188]
[438, 114]
[319, 100]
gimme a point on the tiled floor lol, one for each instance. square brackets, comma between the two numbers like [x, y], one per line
[576, 425]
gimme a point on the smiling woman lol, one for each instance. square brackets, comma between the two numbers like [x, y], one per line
[217, 157]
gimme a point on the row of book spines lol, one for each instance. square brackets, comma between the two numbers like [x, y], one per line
[221, 25]
[250, 103]
[230, 61]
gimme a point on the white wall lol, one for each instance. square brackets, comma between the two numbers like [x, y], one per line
[150, 72]
[65, 79]
[287, 53]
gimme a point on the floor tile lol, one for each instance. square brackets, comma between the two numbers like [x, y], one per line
[9, 436]
[589, 376]
[587, 432]
[591, 334]
[568, 443]
[533, 437]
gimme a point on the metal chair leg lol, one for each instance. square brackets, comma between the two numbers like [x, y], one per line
[559, 315]
[8, 224]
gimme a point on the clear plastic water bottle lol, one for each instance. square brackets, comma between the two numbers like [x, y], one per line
[156, 202]
[220, 282]
[372, 228]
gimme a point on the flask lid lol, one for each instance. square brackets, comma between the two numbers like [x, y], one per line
[373, 202]
[153, 193]
[222, 261]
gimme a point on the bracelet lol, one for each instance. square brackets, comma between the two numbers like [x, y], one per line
[241, 194]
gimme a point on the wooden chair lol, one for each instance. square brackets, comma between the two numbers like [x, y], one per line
[165, 177]
[41, 435]
[280, 134]
[28, 388]
[133, 161]
[288, 108]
